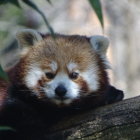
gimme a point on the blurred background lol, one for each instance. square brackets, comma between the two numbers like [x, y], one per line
[121, 26]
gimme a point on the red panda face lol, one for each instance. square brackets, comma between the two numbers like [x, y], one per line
[63, 69]
[61, 86]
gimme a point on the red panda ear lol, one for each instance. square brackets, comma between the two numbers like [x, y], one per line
[9, 57]
[99, 44]
[28, 37]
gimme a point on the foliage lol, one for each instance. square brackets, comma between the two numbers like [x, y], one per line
[3, 75]
[96, 5]
[5, 128]
[32, 5]
[15, 2]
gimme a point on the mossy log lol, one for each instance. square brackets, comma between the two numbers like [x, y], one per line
[119, 121]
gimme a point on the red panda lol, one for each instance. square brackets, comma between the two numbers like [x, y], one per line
[55, 75]
[3, 92]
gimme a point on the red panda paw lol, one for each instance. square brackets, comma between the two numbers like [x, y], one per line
[114, 95]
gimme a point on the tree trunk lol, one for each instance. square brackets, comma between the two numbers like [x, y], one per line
[119, 121]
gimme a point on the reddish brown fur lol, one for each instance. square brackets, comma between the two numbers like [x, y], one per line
[32, 116]
[63, 49]
[3, 91]
[83, 85]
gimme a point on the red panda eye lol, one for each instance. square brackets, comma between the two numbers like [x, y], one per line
[49, 75]
[74, 75]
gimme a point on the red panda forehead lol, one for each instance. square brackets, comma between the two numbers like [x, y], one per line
[63, 52]
[66, 62]
[66, 42]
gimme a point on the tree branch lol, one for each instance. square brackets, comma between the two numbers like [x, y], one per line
[111, 122]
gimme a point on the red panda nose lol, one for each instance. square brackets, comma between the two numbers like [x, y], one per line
[60, 91]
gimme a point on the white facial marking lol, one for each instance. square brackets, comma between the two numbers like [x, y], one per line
[71, 87]
[106, 62]
[91, 77]
[32, 77]
[68, 101]
[58, 102]
[53, 66]
[71, 66]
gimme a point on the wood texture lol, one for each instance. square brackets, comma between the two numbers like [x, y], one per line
[119, 121]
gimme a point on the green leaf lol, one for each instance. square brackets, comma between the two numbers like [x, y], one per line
[34, 6]
[49, 1]
[14, 2]
[3, 75]
[96, 5]
[3, 2]
[4, 128]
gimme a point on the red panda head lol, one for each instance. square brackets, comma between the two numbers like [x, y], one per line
[61, 69]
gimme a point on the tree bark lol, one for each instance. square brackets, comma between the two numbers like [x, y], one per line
[119, 121]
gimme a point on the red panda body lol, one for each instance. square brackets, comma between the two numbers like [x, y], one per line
[3, 92]
[55, 76]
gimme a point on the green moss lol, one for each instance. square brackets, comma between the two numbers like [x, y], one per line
[125, 132]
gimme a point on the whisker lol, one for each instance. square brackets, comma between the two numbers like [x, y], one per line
[94, 95]
[84, 94]
[23, 90]
[31, 91]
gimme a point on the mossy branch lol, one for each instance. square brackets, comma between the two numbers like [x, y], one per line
[112, 122]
